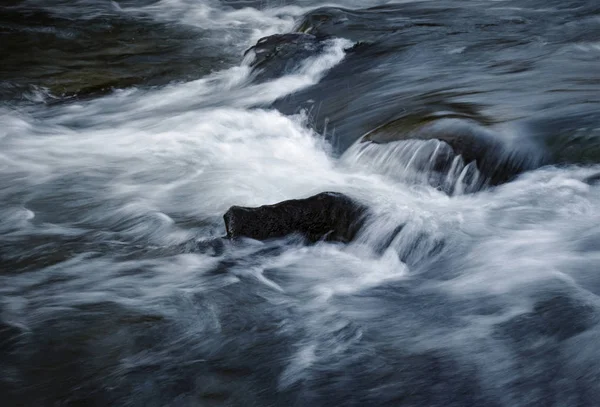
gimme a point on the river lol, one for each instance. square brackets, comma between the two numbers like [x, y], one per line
[128, 128]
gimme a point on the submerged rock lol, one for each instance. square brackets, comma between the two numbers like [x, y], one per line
[279, 54]
[473, 142]
[327, 216]
[593, 179]
[52, 54]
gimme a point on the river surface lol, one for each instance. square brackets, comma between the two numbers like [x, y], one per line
[128, 128]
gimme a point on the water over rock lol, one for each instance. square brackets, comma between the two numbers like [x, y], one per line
[279, 54]
[327, 216]
[493, 158]
[51, 53]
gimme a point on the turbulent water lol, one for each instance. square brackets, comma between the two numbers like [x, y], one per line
[127, 129]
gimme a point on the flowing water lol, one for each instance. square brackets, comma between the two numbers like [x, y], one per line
[128, 128]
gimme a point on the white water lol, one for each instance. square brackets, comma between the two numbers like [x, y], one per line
[189, 151]
[192, 150]
[158, 168]
[414, 161]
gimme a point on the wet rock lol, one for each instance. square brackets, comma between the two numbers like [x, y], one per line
[368, 24]
[327, 216]
[323, 21]
[50, 54]
[568, 134]
[474, 143]
[276, 55]
[593, 179]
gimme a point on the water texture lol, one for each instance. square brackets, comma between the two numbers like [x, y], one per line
[128, 128]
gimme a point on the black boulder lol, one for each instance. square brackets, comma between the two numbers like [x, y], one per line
[327, 216]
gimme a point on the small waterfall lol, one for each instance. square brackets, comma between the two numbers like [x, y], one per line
[426, 162]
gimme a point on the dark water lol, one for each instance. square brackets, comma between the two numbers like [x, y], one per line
[128, 128]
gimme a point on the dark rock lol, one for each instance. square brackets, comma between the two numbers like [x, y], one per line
[276, 55]
[473, 142]
[567, 135]
[593, 179]
[351, 24]
[56, 55]
[327, 216]
[323, 21]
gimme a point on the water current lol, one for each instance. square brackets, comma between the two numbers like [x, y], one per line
[128, 128]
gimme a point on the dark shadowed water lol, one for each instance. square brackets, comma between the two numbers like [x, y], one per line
[128, 128]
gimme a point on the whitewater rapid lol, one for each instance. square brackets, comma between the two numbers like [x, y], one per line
[119, 200]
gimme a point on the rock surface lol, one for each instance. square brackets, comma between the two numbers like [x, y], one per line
[278, 54]
[327, 216]
[473, 142]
